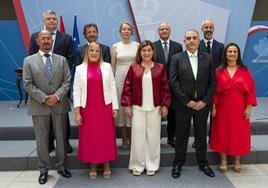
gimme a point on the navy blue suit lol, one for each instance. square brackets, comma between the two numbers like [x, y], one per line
[216, 52]
[174, 47]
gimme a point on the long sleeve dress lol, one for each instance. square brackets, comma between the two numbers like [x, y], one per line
[230, 133]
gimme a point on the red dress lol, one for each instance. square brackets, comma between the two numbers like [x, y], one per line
[96, 141]
[230, 132]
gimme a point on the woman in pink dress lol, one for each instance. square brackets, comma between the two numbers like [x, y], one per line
[232, 102]
[96, 106]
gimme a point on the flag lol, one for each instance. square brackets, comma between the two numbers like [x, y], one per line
[76, 42]
[62, 28]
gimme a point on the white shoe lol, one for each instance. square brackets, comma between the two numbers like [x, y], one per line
[136, 172]
[150, 173]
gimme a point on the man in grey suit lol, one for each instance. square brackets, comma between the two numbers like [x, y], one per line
[165, 48]
[192, 82]
[46, 79]
[91, 35]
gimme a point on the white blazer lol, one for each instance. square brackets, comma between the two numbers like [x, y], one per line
[80, 85]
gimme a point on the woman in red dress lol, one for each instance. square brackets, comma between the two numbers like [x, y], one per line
[232, 102]
[96, 106]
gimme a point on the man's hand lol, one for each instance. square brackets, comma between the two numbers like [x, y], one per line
[51, 100]
[191, 104]
[199, 106]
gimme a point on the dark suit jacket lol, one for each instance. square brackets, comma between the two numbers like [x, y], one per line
[80, 53]
[174, 47]
[217, 50]
[62, 46]
[183, 84]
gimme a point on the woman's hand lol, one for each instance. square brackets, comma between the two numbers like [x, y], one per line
[78, 118]
[247, 112]
[128, 110]
[115, 113]
[163, 111]
[213, 110]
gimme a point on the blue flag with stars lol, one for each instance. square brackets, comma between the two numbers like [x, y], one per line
[76, 42]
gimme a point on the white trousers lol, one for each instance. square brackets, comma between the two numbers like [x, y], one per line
[145, 140]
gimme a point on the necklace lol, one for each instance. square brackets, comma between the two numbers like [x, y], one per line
[147, 66]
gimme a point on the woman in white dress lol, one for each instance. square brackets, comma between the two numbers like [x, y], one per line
[123, 55]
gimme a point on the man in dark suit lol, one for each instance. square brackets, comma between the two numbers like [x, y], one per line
[91, 35]
[46, 78]
[165, 48]
[212, 46]
[62, 45]
[192, 82]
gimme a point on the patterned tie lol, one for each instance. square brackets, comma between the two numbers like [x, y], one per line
[48, 64]
[165, 50]
[208, 47]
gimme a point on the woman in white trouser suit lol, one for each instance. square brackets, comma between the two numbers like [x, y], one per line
[146, 96]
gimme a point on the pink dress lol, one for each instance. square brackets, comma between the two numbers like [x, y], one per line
[96, 141]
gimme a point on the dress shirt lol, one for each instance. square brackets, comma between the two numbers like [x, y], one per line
[167, 41]
[194, 62]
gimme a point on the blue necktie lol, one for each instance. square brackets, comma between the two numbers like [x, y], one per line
[48, 64]
[165, 50]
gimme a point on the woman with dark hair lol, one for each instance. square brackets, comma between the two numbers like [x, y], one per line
[234, 96]
[96, 106]
[146, 98]
[123, 55]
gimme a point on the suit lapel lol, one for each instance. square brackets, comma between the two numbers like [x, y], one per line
[54, 66]
[188, 64]
[58, 38]
[161, 50]
[42, 65]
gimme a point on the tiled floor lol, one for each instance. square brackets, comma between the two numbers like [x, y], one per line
[255, 176]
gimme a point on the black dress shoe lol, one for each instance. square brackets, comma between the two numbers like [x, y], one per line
[69, 148]
[207, 170]
[176, 171]
[171, 143]
[193, 145]
[65, 173]
[51, 147]
[42, 178]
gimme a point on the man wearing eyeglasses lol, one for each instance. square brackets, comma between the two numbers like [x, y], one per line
[192, 82]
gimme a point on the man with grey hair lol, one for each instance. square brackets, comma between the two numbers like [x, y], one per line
[62, 45]
[46, 78]
[165, 48]
[192, 81]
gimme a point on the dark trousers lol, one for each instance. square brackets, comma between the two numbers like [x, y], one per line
[171, 124]
[51, 132]
[184, 115]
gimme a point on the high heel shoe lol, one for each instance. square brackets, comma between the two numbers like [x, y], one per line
[107, 173]
[223, 166]
[237, 166]
[92, 175]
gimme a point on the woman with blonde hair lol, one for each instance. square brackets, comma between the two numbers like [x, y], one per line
[96, 106]
[123, 55]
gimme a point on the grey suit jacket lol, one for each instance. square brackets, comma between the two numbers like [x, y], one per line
[38, 84]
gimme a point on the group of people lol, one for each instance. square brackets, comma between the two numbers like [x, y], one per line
[133, 87]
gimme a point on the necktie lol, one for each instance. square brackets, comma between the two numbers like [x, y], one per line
[48, 64]
[165, 50]
[208, 47]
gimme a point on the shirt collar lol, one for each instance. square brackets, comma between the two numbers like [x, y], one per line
[194, 54]
[211, 41]
[162, 41]
[43, 53]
